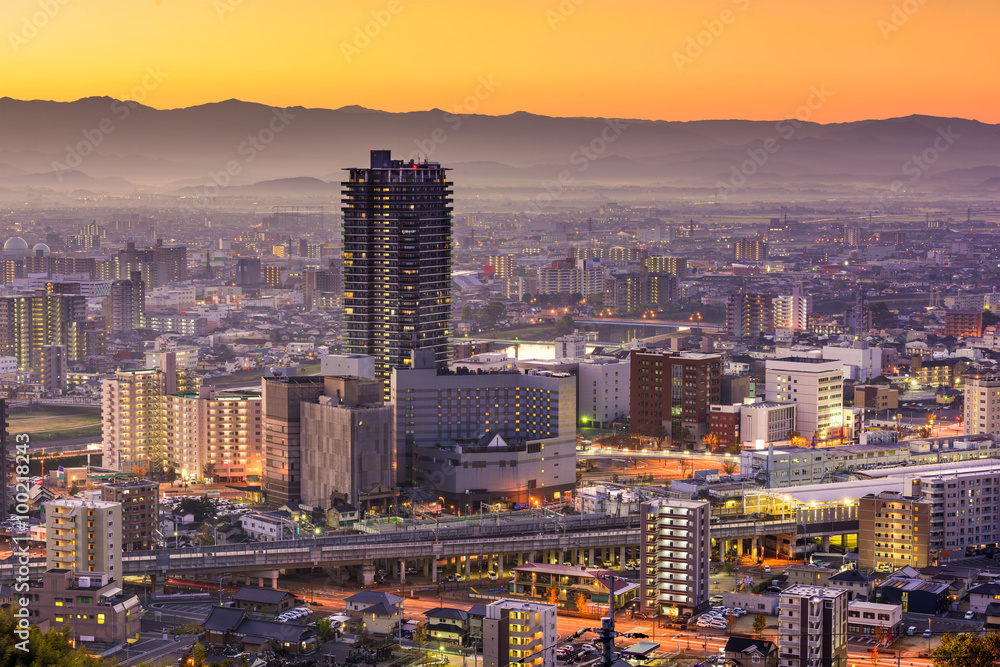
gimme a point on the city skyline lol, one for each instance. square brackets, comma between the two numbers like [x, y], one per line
[727, 59]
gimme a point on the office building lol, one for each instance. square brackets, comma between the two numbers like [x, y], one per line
[603, 390]
[673, 393]
[572, 346]
[519, 633]
[749, 315]
[767, 421]
[816, 386]
[91, 603]
[397, 261]
[140, 503]
[531, 416]
[248, 271]
[963, 323]
[131, 419]
[675, 549]
[282, 417]
[981, 409]
[210, 433]
[347, 443]
[750, 250]
[876, 397]
[861, 361]
[813, 627]
[84, 535]
[893, 531]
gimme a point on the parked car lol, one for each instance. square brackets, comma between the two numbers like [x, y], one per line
[927, 632]
[912, 630]
[969, 615]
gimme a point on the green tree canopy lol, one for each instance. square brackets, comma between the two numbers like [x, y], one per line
[966, 650]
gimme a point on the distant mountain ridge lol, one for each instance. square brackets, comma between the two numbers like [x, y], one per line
[114, 145]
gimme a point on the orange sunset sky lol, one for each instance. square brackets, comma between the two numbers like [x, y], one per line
[759, 59]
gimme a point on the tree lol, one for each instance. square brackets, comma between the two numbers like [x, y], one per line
[73, 490]
[170, 475]
[208, 469]
[710, 440]
[554, 595]
[581, 602]
[420, 634]
[49, 649]
[324, 629]
[990, 318]
[729, 467]
[565, 325]
[659, 432]
[759, 623]
[201, 508]
[964, 650]
[734, 447]
[684, 467]
[198, 655]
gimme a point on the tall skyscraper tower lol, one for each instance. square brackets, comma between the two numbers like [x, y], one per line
[397, 261]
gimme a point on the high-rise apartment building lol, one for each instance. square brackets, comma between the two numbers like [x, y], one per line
[673, 392]
[791, 311]
[583, 276]
[677, 266]
[963, 323]
[158, 265]
[520, 633]
[27, 322]
[53, 368]
[347, 444]
[282, 418]
[248, 271]
[750, 250]
[397, 261]
[812, 628]
[676, 548]
[981, 409]
[503, 266]
[140, 503]
[816, 386]
[893, 530]
[217, 434]
[626, 292]
[749, 315]
[84, 535]
[131, 418]
[127, 304]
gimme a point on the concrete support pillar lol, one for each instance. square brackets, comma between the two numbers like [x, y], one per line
[156, 584]
[427, 567]
[402, 572]
[500, 566]
[756, 547]
[590, 559]
[468, 568]
[531, 558]
[260, 582]
[367, 574]
[434, 570]
[825, 544]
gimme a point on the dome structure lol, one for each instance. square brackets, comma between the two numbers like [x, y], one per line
[15, 245]
[41, 247]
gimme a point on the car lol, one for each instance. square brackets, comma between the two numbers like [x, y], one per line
[492, 576]
[969, 615]
[718, 625]
[912, 630]
[767, 569]
[715, 599]
[927, 632]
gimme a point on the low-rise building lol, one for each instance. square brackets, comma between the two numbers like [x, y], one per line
[858, 585]
[263, 601]
[227, 625]
[268, 527]
[982, 596]
[916, 596]
[445, 624]
[92, 603]
[575, 585]
[876, 397]
[751, 652]
[871, 618]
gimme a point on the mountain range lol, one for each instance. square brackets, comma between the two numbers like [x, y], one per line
[106, 145]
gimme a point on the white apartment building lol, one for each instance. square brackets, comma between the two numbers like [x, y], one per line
[573, 346]
[603, 390]
[791, 311]
[218, 428]
[767, 421]
[131, 406]
[586, 276]
[84, 535]
[185, 358]
[519, 633]
[675, 549]
[816, 386]
[812, 627]
[860, 361]
[351, 365]
[268, 527]
[982, 404]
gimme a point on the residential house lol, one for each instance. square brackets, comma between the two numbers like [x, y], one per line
[857, 584]
[445, 624]
[263, 601]
[228, 625]
[745, 652]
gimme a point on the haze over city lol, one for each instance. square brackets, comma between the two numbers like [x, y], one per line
[555, 332]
